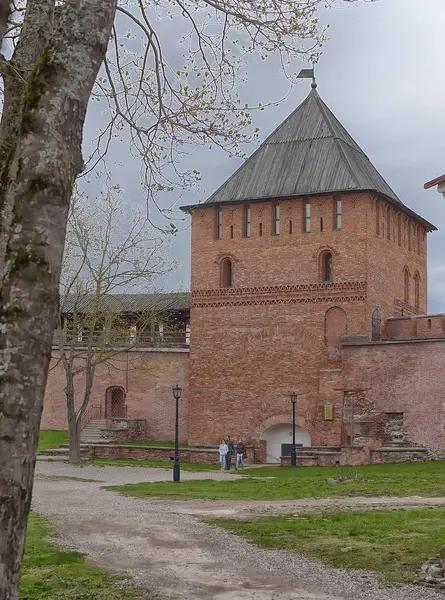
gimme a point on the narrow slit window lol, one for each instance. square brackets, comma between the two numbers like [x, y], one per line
[399, 229]
[321, 223]
[338, 213]
[418, 239]
[388, 223]
[261, 229]
[290, 226]
[377, 217]
[417, 290]
[326, 267]
[409, 234]
[307, 217]
[231, 232]
[219, 223]
[429, 323]
[406, 286]
[276, 219]
[246, 224]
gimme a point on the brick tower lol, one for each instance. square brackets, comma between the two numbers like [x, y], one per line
[304, 243]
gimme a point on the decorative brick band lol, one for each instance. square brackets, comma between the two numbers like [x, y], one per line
[352, 286]
[276, 300]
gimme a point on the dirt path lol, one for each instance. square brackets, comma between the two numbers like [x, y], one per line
[166, 549]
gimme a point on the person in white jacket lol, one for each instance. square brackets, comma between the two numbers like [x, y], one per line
[223, 450]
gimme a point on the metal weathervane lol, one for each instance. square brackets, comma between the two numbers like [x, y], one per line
[308, 74]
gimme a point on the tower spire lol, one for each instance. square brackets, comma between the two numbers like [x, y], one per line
[314, 83]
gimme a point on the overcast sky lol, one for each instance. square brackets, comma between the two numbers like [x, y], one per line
[382, 74]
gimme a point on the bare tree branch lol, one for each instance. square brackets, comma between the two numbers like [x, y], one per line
[110, 248]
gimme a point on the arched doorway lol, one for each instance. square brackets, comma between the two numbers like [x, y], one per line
[115, 403]
[279, 441]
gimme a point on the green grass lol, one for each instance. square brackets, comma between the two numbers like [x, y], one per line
[393, 543]
[162, 464]
[398, 479]
[51, 438]
[51, 573]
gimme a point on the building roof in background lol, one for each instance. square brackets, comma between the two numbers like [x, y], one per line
[310, 153]
[129, 303]
[433, 182]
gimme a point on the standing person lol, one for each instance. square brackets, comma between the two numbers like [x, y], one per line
[223, 450]
[230, 453]
[240, 451]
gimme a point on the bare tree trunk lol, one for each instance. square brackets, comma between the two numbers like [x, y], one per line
[49, 159]
[16, 73]
[73, 421]
[74, 441]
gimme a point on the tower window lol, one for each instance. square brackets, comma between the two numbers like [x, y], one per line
[231, 232]
[377, 217]
[276, 219]
[409, 234]
[261, 230]
[246, 223]
[307, 217]
[388, 223]
[290, 226]
[419, 233]
[399, 229]
[226, 273]
[326, 267]
[219, 223]
[338, 211]
[321, 223]
[406, 285]
[417, 290]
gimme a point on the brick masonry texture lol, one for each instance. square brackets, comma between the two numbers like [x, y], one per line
[277, 330]
[147, 378]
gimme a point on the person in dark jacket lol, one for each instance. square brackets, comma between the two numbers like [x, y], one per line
[240, 452]
[230, 452]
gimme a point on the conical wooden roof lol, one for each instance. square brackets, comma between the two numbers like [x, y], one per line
[309, 153]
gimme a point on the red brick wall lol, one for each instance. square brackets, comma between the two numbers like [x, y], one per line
[386, 260]
[141, 453]
[253, 344]
[285, 259]
[147, 378]
[407, 377]
[424, 327]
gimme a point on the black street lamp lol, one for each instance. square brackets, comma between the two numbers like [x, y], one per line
[176, 466]
[293, 455]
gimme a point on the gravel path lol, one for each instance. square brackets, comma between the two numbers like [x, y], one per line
[168, 551]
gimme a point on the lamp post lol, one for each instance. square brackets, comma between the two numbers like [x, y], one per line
[176, 465]
[293, 456]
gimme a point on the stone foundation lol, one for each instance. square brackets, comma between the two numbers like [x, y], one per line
[392, 455]
[357, 455]
[126, 430]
